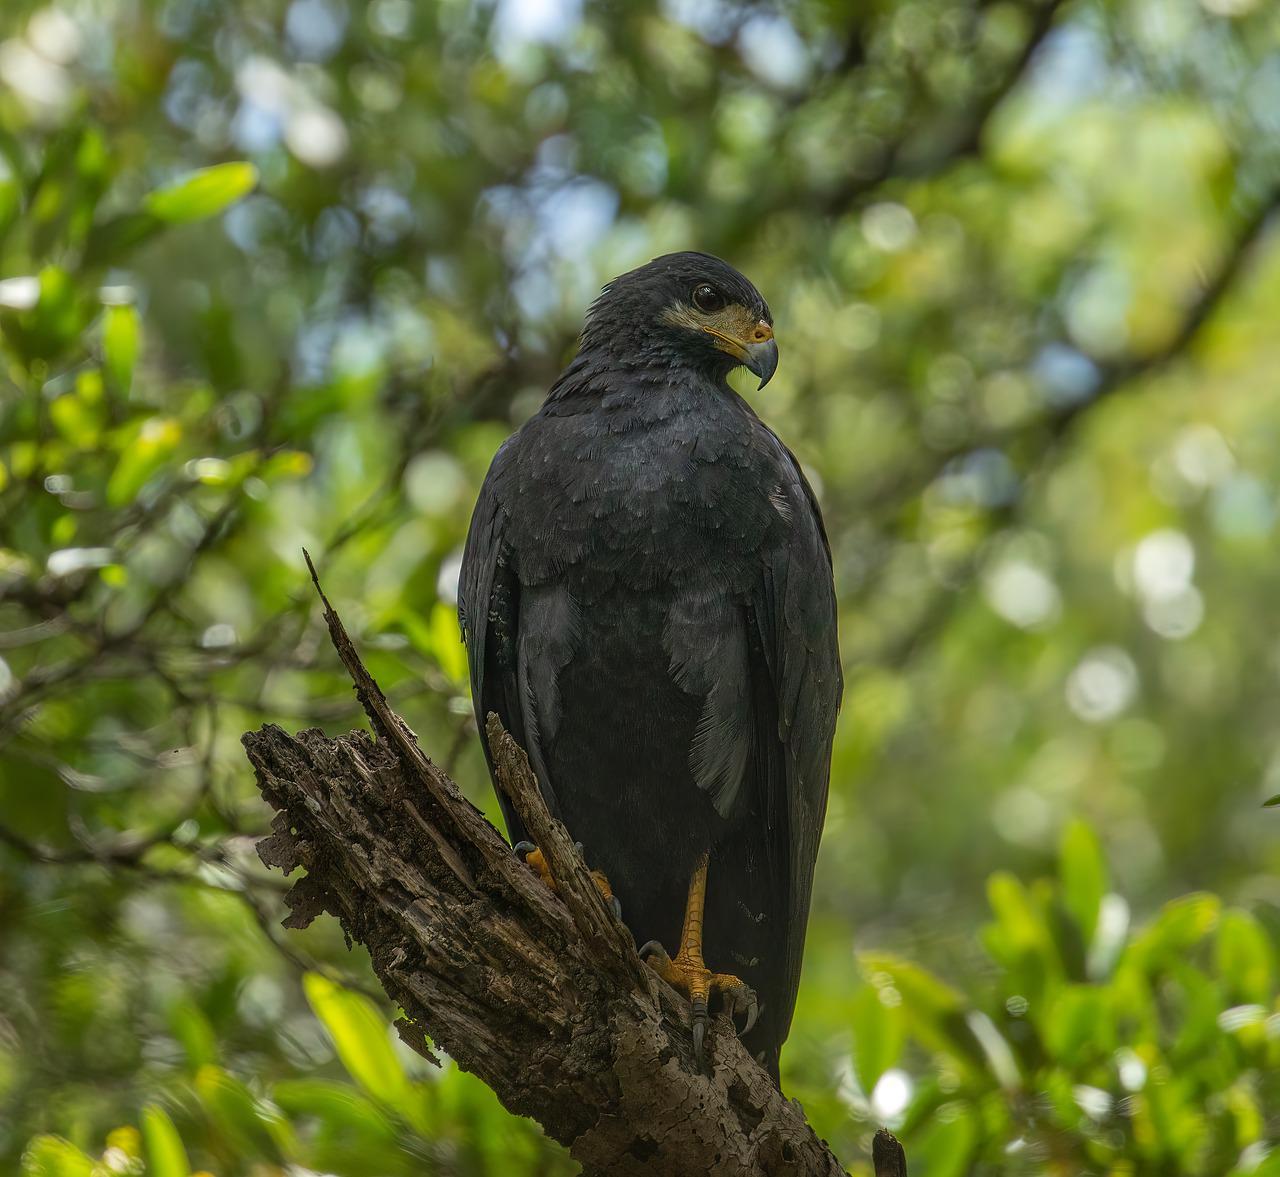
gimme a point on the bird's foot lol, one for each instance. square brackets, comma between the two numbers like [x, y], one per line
[688, 974]
[535, 858]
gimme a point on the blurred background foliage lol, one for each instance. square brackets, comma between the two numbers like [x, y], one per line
[282, 274]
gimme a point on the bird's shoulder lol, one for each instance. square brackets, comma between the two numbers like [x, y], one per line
[672, 426]
[669, 483]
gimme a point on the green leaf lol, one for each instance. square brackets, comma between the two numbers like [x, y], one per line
[251, 1126]
[166, 1156]
[338, 1104]
[933, 1012]
[76, 420]
[1271, 802]
[202, 194]
[51, 1156]
[150, 449]
[121, 336]
[1020, 923]
[1084, 877]
[1079, 1027]
[877, 1033]
[1166, 1125]
[1270, 1167]
[945, 1145]
[44, 331]
[1244, 960]
[1022, 939]
[361, 1037]
[1181, 924]
[347, 1132]
[190, 1026]
[111, 241]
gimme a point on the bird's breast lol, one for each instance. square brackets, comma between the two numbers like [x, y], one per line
[674, 502]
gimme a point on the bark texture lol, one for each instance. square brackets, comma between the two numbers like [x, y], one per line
[540, 994]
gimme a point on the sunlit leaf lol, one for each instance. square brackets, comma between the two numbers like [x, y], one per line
[287, 464]
[76, 420]
[361, 1037]
[121, 336]
[126, 1139]
[152, 445]
[204, 193]
[1021, 938]
[51, 1156]
[877, 1034]
[1084, 877]
[166, 1156]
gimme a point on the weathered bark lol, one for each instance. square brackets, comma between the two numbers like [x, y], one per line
[887, 1155]
[540, 994]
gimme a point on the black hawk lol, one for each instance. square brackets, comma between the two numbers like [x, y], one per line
[647, 602]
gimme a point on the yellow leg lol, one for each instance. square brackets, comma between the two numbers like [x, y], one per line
[535, 858]
[689, 973]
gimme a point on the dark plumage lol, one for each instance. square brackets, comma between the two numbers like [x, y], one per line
[647, 601]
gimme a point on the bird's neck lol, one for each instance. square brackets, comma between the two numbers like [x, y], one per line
[600, 375]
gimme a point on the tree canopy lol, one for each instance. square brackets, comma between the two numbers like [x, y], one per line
[276, 275]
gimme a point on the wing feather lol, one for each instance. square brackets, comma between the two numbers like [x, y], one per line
[795, 615]
[489, 610]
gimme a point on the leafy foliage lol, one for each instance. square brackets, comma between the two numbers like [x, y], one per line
[285, 273]
[1091, 1048]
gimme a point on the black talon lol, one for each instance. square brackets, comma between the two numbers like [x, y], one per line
[699, 1031]
[742, 1001]
[523, 848]
[650, 948]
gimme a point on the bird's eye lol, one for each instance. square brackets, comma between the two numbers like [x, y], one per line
[707, 298]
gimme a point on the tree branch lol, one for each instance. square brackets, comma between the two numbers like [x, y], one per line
[961, 140]
[540, 994]
[887, 1155]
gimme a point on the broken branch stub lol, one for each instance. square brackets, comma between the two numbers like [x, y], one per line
[540, 994]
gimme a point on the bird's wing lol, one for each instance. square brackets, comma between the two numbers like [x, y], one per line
[769, 679]
[797, 657]
[489, 609]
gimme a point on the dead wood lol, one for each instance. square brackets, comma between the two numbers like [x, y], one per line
[539, 994]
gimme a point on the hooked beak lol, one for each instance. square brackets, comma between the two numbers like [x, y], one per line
[758, 351]
[762, 359]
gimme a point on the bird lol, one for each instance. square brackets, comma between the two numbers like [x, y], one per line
[647, 601]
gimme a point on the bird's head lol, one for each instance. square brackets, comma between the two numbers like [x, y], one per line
[690, 309]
